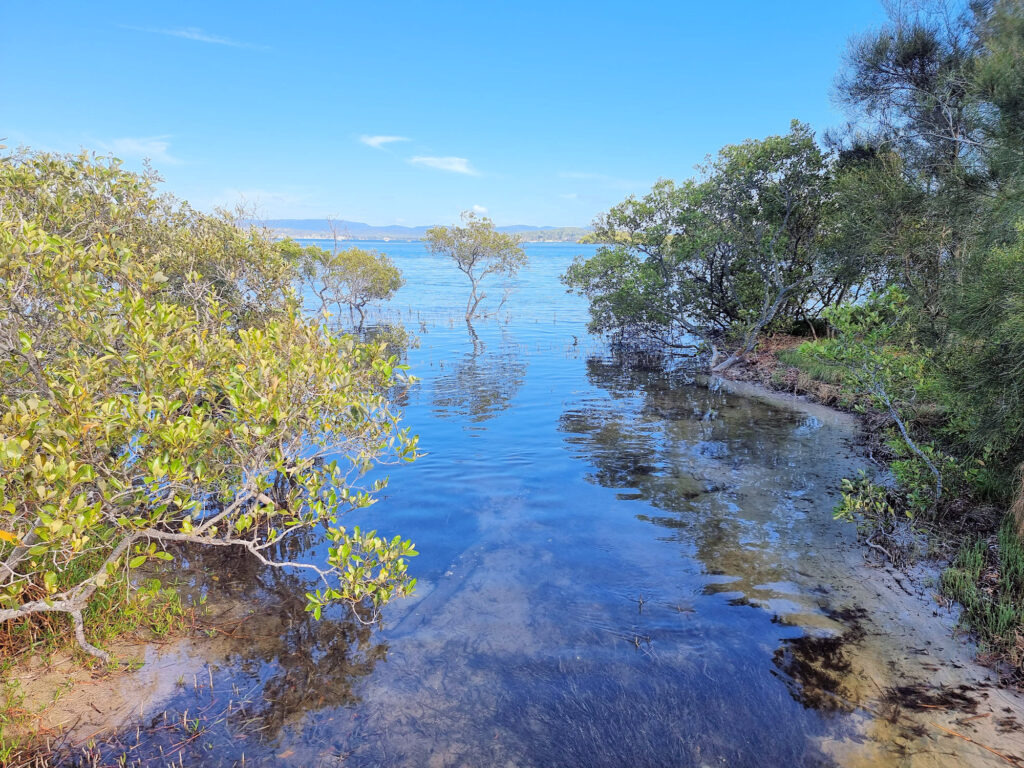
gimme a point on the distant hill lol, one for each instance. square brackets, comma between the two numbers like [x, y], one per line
[357, 230]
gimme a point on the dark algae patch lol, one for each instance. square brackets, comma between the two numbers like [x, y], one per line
[920, 697]
[817, 669]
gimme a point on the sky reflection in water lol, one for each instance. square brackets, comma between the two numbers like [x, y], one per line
[618, 568]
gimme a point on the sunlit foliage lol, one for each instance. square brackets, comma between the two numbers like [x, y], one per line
[159, 385]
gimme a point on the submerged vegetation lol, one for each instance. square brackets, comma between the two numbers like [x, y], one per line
[898, 245]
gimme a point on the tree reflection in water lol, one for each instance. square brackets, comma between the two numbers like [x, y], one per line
[480, 384]
[733, 480]
[270, 666]
[729, 477]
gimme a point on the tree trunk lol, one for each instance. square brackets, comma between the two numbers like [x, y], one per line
[474, 302]
[748, 344]
[728, 363]
[750, 339]
[73, 601]
[881, 392]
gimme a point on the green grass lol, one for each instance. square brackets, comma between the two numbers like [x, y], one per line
[115, 610]
[808, 358]
[987, 579]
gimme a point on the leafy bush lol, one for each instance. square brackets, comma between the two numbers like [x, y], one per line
[718, 260]
[145, 402]
[814, 359]
[867, 503]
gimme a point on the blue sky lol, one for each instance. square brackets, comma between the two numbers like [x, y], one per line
[410, 112]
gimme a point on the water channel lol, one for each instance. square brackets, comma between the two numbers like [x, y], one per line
[618, 568]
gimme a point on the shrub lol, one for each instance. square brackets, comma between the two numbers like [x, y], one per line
[145, 403]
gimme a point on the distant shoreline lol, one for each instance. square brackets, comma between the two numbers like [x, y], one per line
[328, 236]
[326, 229]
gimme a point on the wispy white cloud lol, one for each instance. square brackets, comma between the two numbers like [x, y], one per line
[451, 164]
[196, 34]
[155, 148]
[480, 209]
[377, 142]
[570, 196]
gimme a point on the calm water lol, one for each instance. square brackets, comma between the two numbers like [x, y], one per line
[617, 568]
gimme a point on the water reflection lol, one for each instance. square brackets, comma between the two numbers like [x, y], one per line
[301, 665]
[736, 482]
[478, 385]
[618, 567]
[270, 666]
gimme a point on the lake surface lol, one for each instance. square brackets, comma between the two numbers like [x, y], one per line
[617, 568]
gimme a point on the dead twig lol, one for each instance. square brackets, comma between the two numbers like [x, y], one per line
[1010, 760]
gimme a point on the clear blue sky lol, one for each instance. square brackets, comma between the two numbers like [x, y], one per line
[539, 112]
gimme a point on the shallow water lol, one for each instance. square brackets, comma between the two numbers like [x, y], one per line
[617, 568]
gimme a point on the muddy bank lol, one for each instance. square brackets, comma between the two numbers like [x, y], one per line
[64, 702]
